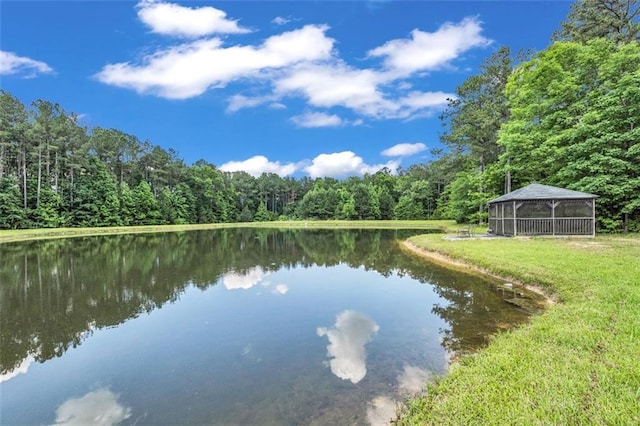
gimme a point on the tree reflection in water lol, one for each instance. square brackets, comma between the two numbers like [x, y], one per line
[54, 293]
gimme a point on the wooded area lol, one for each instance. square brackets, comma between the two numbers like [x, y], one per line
[568, 116]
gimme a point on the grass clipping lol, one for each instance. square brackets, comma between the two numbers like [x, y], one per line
[578, 363]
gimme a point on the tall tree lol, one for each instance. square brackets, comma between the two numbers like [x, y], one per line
[575, 122]
[96, 200]
[12, 215]
[617, 20]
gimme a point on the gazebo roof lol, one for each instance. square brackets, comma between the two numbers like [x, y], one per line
[536, 191]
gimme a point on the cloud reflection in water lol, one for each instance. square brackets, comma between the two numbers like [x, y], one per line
[21, 369]
[100, 408]
[411, 381]
[352, 331]
[234, 280]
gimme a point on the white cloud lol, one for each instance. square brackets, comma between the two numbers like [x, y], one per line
[100, 408]
[245, 280]
[404, 149]
[299, 63]
[352, 331]
[330, 85]
[173, 19]
[316, 119]
[280, 20]
[238, 102]
[10, 63]
[429, 51]
[189, 69]
[342, 164]
[339, 85]
[419, 100]
[259, 164]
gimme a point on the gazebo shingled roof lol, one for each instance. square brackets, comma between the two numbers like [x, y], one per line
[536, 191]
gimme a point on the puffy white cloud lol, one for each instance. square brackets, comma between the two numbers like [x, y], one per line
[259, 164]
[339, 85]
[100, 408]
[347, 339]
[246, 280]
[189, 69]
[298, 63]
[342, 164]
[330, 85]
[429, 51]
[10, 63]
[404, 149]
[317, 119]
[173, 19]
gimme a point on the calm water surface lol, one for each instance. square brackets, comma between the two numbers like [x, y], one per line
[238, 326]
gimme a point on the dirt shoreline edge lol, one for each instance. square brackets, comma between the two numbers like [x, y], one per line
[444, 260]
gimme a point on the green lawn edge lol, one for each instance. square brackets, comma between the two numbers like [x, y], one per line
[577, 363]
[45, 233]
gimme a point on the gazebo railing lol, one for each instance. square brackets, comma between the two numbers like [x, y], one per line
[557, 226]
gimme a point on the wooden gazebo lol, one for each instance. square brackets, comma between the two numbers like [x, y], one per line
[543, 210]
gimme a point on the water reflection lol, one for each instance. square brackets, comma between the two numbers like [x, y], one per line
[98, 408]
[20, 369]
[381, 410]
[281, 289]
[347, 340]
[248, 357]
[412, 379]
[244, 280]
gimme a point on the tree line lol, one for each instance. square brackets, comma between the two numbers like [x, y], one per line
[55, 172]
[567, 116]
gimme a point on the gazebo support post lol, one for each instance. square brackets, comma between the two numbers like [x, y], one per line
[515, 223]
[593, 218]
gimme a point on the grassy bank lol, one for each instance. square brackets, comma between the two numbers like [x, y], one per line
[578, 363]
[33, 234]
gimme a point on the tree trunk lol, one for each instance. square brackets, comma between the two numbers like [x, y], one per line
[39, 177]
[24, 178]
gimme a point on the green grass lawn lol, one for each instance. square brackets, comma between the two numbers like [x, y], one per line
[32, 234]
[577, 363]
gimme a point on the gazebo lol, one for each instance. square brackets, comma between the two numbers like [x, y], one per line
[543, 210]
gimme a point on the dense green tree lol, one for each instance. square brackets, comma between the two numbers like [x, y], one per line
[96, 200]
[408, 208]
[184, 204]
[617, 20]
[262, 214]
[473, 119]
[211, 195]
[48, 212]
[11, 212]
[574, 122]
[146, 210]
[127, 204]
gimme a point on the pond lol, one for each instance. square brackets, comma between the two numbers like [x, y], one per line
[233, 326]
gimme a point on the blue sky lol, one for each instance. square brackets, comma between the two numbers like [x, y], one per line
[298, 88]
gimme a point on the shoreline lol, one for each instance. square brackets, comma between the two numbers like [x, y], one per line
[449, 262]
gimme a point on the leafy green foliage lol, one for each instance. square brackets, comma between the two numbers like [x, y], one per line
[617, 20]
[574, 122]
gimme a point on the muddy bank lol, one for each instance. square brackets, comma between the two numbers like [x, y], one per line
[449, 262]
